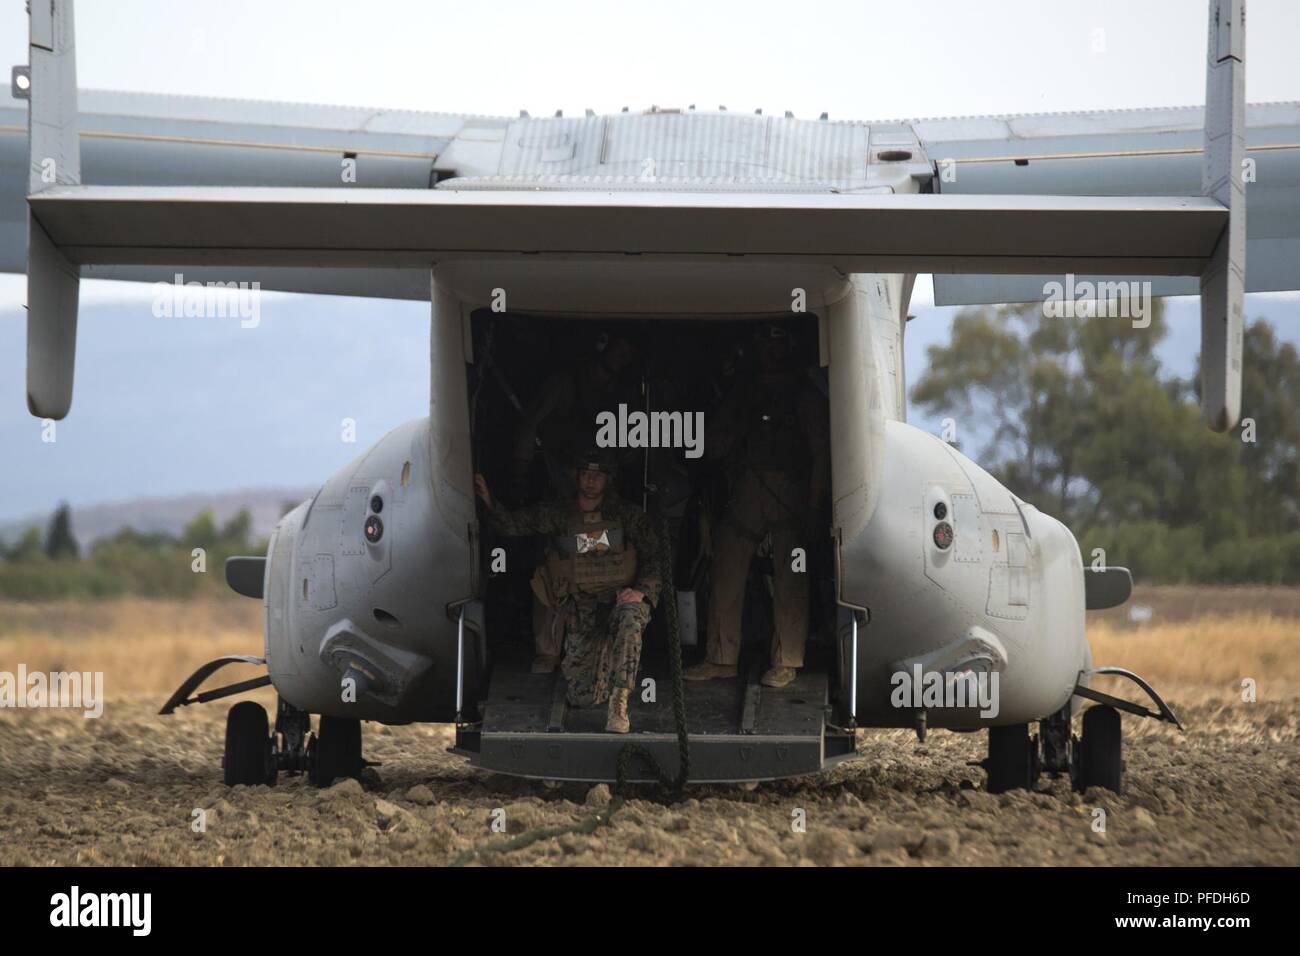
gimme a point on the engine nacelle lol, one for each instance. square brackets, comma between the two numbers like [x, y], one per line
[959, 574]
[364, 586]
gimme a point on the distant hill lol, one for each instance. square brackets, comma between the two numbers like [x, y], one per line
[166, 405]
[169, 515]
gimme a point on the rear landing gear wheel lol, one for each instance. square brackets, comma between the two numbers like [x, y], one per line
[1013, 759]
[1101, 762]
[247, 758]
[335, 751]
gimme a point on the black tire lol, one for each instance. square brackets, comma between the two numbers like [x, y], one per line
[336, 751]
[1011, 764]
[248, 745]
[1101, 750]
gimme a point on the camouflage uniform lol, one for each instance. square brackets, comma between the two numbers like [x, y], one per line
[602, 638]
[562, 420]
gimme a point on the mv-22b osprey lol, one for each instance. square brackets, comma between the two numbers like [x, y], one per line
[678, 228]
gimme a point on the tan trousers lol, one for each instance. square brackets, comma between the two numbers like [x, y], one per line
[751, 514]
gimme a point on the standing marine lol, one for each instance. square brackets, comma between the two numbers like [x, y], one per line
[772, 431]
[602, 573]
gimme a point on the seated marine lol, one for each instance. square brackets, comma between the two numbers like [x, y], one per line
[602, 573]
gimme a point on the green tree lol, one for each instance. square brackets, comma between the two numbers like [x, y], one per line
[59, 540]
[1058, 403]
[1077, 416]
[1270, 430]
[201, 532]
[27, 547]
[129, 537]
[235, 532]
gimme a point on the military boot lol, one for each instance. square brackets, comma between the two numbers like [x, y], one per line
[778, 676]
[617, 722]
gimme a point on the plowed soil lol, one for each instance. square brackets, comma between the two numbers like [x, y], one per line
[132, 787]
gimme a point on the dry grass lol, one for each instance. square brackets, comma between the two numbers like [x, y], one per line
[1213, 653]
[150, 646]
[141, 646]
[1169, 603]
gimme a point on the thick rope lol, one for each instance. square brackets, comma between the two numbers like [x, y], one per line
[674, 785]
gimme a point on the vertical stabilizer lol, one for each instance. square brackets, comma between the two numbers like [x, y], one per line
[54, 160]
[1223, 178]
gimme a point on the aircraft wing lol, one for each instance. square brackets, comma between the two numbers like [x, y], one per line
[141, 139]
[1156, 152]
[1088, 194]
[136, 139]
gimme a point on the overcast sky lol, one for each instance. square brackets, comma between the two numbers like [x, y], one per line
[859, 59]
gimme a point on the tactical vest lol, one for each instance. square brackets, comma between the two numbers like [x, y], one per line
[589, 558]
[774, 440]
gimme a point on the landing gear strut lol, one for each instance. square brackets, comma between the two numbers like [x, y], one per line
[1055, 743]
[292, 728]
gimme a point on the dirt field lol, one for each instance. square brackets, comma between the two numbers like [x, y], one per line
[123, 789]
